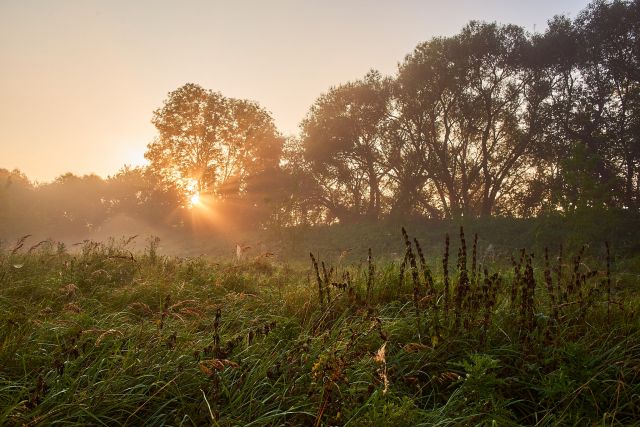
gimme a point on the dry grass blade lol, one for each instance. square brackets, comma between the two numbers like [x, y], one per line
[103, 334]
[19, 244]
[415, 347]
[380, 354]
[36, 246]
[447, 377]
[74, 308]
[140, 306]
[380, 358]
[130, 239]
[210, 366]
[69, 291]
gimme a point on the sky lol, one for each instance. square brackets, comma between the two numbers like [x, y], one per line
[80, 79]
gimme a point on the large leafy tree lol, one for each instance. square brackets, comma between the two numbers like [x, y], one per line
[342, 144]
[213, 145]
[593, 63]
[609, 107]
[469, 109]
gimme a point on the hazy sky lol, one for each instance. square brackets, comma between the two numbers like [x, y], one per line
[79, 80]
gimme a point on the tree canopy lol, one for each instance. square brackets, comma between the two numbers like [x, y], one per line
[211, 144]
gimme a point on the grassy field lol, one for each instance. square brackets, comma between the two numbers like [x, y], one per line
[394, 337]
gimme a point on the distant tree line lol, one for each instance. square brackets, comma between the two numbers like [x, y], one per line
[492, 121]
[72, 206]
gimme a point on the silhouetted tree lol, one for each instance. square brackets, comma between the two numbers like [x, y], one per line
[593, 63]
[225, 149]
[144, 195]
[469, 109]
[212, 144]
[18, 205]
[342, 145]
[74, 204]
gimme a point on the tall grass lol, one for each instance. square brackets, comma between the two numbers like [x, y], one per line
[106, 336]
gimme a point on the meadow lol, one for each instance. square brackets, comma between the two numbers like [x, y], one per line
[99, 334]
[450, 239]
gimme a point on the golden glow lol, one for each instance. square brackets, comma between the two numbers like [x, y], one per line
[90, 70]
[195, 199]
[134, 155]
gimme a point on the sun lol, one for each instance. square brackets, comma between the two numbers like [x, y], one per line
[195, 199]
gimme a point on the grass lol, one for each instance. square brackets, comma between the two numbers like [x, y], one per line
[104, 336]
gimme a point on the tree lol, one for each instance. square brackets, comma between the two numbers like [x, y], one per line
[342, 144]
[142, 194]
[211, 144]
[594, 65]
[610, 105]
[19, 209]
[470, 109]
[74, 204]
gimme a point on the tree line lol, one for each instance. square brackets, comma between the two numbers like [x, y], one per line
[492, 121]
[73, 206]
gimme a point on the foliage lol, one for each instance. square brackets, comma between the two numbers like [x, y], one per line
[489, 121]
[211, 144]
[104, 335]
[342, 148]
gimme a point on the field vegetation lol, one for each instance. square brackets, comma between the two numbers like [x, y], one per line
[453, 244]
[98, 334]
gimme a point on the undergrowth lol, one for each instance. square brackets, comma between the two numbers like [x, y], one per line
[106, 336]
